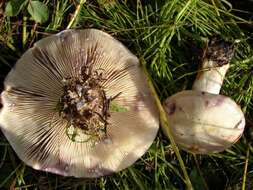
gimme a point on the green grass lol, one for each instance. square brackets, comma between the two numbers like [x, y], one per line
[170, 37]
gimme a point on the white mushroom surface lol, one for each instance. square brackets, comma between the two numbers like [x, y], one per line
[202, 122]
[60, 80]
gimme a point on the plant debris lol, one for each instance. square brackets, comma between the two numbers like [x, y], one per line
[84, 103]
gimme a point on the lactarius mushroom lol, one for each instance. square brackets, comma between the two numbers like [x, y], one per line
[201, 120]
[77, 104]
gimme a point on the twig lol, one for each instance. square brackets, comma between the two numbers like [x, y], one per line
[24, 31]
[245, 169]
[216, 9]
[166, 128]
[77, 11]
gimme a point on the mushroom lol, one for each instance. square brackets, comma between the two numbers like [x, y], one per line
[201, 120]
[77, 104]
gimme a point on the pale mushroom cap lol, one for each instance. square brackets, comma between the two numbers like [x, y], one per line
[37, 133]
[202, 122]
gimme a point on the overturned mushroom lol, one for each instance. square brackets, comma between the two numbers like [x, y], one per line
[201, 120]
[77, 104]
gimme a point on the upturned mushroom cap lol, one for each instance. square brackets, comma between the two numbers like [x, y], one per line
[202, 122]
[39, 133]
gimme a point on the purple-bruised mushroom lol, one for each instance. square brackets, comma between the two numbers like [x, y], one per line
[201, 120]
[78, 104]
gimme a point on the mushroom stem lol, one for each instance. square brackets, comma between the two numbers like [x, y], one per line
[214, 67]
[210, 77]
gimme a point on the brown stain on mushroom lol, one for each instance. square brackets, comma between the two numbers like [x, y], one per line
[106, 172]
[220, 101]
[213, 102]
[61, 167]
[139, 102]
[207, 102]
[170, 108]
[180, 109]
[97, 171]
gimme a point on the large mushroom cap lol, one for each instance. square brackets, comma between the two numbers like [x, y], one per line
[202, 122]
[62, 89]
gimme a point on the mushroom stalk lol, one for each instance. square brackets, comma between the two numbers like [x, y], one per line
[210, 77]
[214, 67]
